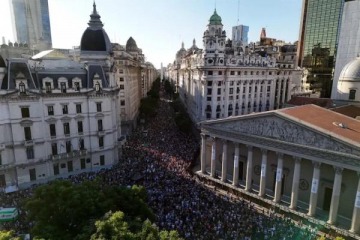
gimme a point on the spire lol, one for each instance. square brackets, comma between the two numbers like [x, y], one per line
[95, 21]
[182, 45]
[263, 33]
[194, 42]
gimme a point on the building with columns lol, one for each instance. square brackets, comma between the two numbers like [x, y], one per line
[224, 79]
[304, 160]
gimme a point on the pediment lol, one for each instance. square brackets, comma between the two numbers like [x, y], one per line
[279, 128]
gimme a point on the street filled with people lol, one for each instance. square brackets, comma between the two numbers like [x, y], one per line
[162, 160]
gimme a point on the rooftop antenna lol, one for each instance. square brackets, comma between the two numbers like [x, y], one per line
[238, 13]
[215, 4]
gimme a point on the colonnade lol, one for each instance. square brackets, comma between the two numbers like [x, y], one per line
[336, 189]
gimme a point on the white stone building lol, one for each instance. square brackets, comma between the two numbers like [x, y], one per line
[222, 80]
[348, 47]
[57, 117]
[303, 160]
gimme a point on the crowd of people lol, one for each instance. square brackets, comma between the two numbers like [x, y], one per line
[162, 162]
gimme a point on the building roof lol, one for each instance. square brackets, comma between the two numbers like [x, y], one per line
[94, 37]
[322, 102]
[351, 71]
[215, 19]
[348, 110]
[131, 45]
[325, 120]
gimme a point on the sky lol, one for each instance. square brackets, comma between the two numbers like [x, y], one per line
[160, 26]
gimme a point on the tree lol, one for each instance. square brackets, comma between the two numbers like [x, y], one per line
[114, 227]
[8, 235]
[62, 210]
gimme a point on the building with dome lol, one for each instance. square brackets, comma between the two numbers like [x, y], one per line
[223, 79]
[348, 85]
[62, 117]
[348, 51]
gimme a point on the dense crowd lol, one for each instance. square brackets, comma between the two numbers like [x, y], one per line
[161, 161]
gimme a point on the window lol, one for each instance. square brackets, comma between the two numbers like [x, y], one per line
[220, 72]
[101, 142]
[47, 87]
[208, 98]
[209, 83]
[66, 128]
[80, 127]
[65, 109]
[231, 90]
[77, 86]
[52, 130]
[232, 72]
[50, 110]
[78, 108]
[63, 87]
[30, 152]
[352, 94]
[56, 169]
[81, 144]
[54, 149]
[68, 146]
[209, 91]
[219, 91]
[268, 88]
[122, 102]
[98, 107]
[239, 72]
[82, 163]
[0, 159]
[102, 160]
[27, 132]
[121, 79]
[70, 166]
[22, 88]
[25, 112]
[100, 125]
[121, 86]
[210, 72]
[32, 174]
[245, 73]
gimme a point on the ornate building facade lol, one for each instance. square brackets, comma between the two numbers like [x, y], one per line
[223, 80]
[303, 160]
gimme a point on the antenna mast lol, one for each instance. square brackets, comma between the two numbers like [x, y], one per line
[238, 13]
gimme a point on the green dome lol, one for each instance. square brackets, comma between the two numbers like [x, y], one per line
[215, 19]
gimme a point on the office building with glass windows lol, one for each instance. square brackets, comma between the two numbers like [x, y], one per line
[318, 41]
[31, 23]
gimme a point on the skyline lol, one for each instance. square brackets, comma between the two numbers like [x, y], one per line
[176, 21]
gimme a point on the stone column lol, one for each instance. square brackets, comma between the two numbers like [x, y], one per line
[224, 162]
[249, 167]
[203, 153]
[263, 173]
[314, 189]
[278, 180]
[213, 157]
[295, 183]
[355, 223]
[236, 165]
[335, 196]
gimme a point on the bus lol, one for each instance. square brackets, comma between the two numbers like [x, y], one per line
[8, 214]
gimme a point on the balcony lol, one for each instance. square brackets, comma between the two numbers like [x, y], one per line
[69, 155]
[28, 143]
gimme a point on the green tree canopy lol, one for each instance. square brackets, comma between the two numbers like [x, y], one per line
[62, 210]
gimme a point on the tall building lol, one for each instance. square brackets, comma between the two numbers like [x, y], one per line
[240, 35]
[348, 47]
[31, 23]
[318, 42]
[224, 80]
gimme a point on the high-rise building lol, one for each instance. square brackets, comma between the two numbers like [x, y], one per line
[318, 42]
[348, 47]
[240, 35]
[31, 23]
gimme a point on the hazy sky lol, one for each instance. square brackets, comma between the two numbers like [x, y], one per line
[159, 26]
